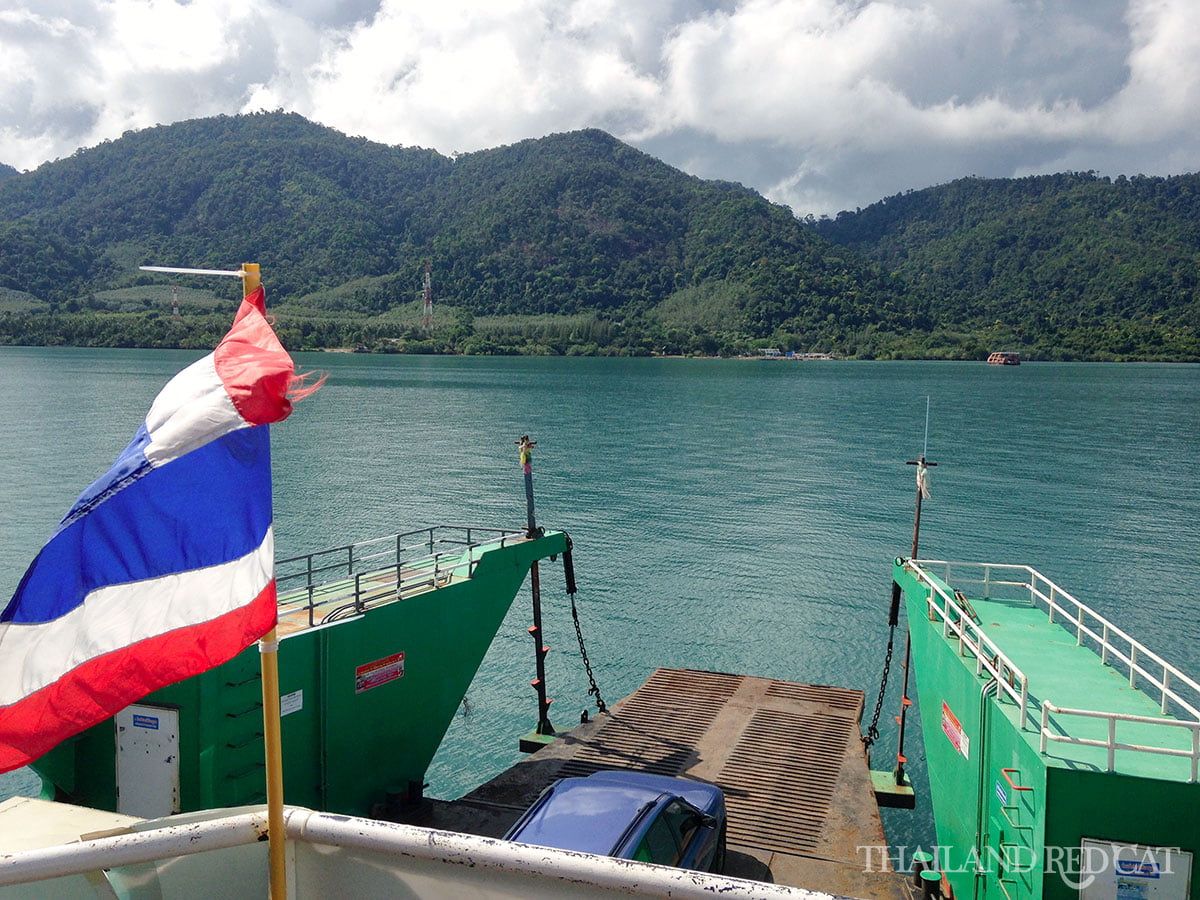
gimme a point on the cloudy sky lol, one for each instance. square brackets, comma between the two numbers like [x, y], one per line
[819, 104]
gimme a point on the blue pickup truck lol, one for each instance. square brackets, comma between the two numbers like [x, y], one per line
[630, 815]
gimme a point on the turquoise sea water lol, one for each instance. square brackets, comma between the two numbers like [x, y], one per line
[731, 515]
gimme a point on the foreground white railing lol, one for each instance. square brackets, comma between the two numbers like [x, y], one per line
[225, 854]
[1174, 690]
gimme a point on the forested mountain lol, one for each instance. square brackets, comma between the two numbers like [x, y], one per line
[1062, 259]
[579, 243]
[316, 208]
[569, 224]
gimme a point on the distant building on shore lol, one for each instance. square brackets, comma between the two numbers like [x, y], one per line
[776, 353]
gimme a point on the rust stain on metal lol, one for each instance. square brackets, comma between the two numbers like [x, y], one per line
[839, 701]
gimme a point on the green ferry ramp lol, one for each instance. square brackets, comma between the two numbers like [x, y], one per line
[1062, 753]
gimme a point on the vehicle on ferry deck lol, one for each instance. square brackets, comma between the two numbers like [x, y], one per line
[630, 815]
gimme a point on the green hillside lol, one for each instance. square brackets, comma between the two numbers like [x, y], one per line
[568, 225]
[313, 206]
[578, 243]
[1067, 265]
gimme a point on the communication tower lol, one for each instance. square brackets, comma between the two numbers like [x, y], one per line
[427, 311]
[175, 303]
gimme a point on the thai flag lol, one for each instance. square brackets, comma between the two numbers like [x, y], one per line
[164, 567]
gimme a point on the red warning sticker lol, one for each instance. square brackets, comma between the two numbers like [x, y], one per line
[381, 671]
[953, 730]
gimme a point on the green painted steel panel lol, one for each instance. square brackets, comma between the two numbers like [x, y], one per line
[951, 718]
[1008, 817]
[1122, 808]
[387, 734]
[1013, 795]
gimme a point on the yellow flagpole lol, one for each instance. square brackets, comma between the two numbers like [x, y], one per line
[268, 656]
[251, 278]
[268, 648]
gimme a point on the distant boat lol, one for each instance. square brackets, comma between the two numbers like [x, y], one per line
[1004, 358]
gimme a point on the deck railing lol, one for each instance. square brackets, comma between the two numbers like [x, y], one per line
[1110, 742]
[1176, 693]
[423, 556]
[957, 620]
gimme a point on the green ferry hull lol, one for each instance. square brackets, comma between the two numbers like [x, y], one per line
[366, 699]
[1018, 817]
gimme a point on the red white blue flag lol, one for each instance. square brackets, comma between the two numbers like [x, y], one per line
[164, 567]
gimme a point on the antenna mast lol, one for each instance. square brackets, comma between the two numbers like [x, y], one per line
[427, 311]
[922, 483]
[922, 465]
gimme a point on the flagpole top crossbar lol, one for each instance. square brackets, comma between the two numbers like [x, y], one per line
[235, 273]
[249, 273]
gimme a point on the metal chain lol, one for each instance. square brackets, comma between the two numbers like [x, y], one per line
[587, 665]
[873, 731]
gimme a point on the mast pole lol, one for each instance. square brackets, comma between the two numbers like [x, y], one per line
[922, 488]
[427, 297]
[526, 445]
[251, 278]
[535, 631]
[922, 491]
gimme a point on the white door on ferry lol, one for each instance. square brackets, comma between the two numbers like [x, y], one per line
[147, 761]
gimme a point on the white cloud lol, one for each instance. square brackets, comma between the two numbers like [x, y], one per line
[1162, 95]
[818, 103]
[824, 74]
[875, 97]
[466, 75]
[76, 73]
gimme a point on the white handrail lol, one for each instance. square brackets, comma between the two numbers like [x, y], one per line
[1163, 672]
[998, 665]
[1086, 622]
[1111, 643]
[304, 576]
[413, 861]
[1111, 743]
